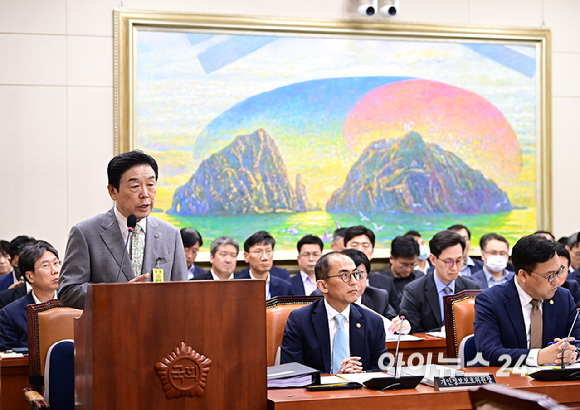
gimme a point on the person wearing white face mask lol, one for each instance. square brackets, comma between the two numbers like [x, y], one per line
[423, 263]
[495, 254]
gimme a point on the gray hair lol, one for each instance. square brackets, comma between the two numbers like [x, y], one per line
[223, 240]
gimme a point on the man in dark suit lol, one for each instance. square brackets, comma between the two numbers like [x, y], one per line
[96, 246]
[8, 296]
[333, 334]
[223, 254]
[309, 251]
[563, 280]
[404, 254]
[363, 239]
[259, 255]
[470, 266]
[521, 317]
[495, 254]
[41, 267]
[192, 241]
[423, 298]
[274, 271]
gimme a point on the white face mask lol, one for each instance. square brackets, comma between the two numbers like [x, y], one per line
[424, 252]
[496, 263]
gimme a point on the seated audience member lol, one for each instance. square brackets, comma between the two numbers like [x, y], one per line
[563, 281]
[192, 241]
[259, 255]
[404, 253]
[333, 334]
[375, 299]
[5, 266]
[337, 243]
[547, 235]
[41, 267]
[423, 263]
[223, 255]
[470, 266]
[14, 278]
[495, 254]
[309, 251]
[274, 271]
[363, 239]
[423, 298]
[574, 249]
[521, 317]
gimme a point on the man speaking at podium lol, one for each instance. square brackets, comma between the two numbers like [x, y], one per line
[99, 250]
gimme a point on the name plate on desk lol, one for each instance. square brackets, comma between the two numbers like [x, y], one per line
[462, 382]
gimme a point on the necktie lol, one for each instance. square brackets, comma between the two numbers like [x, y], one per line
[536, 326]
[340, 347]
[136, 251]
[447, 290]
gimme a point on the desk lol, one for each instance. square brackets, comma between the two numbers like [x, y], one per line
[13, 378]
[431, 344]
[423, 397]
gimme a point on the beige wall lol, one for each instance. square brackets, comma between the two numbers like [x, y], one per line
[56, 95]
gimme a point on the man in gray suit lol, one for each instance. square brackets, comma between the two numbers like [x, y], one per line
[96, 247]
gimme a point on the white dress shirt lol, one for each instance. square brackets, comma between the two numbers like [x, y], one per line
[332, 325]
[309, 286]
[525, 299]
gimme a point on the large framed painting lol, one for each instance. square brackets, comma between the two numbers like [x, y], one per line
[302, 126]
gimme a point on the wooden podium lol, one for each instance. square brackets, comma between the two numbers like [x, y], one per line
[128, 355]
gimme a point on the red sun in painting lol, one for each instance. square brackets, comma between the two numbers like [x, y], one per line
[457, 120]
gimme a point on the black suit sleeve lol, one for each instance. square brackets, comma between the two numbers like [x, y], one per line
[291, 348]
[410, 302]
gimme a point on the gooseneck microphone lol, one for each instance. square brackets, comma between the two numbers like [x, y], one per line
[402, 315]
[569, 333]
[131, 222]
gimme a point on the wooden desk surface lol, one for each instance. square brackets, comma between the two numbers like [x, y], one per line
[13, 378]
[422, 397]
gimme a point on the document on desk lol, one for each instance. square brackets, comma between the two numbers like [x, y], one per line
[437, 334]
[430, 372]
[362, 377]
[292, 375]
[404, 338]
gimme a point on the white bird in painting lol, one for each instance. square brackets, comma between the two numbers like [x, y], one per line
[326, 236]
[292, 231]
[378, 227]
[363, 217]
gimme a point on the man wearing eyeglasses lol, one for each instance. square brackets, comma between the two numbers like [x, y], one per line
[259, 255]
[521, 317]
[41, 267]
[495, 254]
[333, 334]
[423, 298]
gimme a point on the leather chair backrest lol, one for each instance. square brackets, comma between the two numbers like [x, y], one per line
[459, 318]
[276, 317]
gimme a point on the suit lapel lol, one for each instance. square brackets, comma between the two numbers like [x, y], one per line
[367, 300]
[320, 324]
[512, 304]
[433, 299]
[113, 239]
[551, 313]
[357, 332]
[152, 240]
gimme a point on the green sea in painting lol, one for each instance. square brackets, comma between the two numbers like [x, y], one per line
[517, 223]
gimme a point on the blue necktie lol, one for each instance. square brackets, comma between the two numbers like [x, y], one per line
[340, 348]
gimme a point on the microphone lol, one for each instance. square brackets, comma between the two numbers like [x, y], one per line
[131, 222]
[402, 315]
[570, 332]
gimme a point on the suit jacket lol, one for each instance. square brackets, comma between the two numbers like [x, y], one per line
[297, 285]
[378, 300]
[421, 301]
[274, 271]
[6, 281]
[278, 287]
[10, 295]
[571, 285]
[400, 283]
[96, 247]
[499, 322]
[198, 271]
[481, 279]
[205, 276]
[306, 337]
[376, 280]
[575, 276]
[13, 323]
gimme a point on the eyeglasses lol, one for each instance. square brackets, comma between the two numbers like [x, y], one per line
[345, 276]
[496, 253]
[450, 263]
[551, 276]
[47, 265]
[268, 252]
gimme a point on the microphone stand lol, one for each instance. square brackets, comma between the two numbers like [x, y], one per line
[568, 338]
[398, 343]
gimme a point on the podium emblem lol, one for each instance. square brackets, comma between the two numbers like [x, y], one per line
[183, 372]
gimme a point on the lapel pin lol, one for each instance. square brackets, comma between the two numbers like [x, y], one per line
[358, 325]
[157, 236]
[551, 302]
